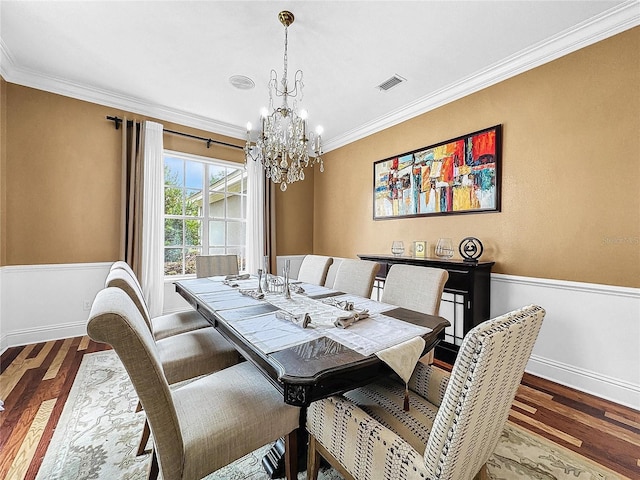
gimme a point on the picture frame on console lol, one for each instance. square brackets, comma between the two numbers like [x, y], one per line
[457, 176]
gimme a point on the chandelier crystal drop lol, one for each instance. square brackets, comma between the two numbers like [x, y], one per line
[284, 146]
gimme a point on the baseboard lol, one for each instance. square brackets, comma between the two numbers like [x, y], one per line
[42, 334]
[593, 383]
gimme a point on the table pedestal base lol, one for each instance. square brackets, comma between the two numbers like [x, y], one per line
[273, 461]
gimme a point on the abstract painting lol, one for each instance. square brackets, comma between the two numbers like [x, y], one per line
[461, 175]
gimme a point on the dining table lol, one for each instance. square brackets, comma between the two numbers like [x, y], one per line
[309, 341]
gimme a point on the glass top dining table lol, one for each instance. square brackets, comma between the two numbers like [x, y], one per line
[334, 353]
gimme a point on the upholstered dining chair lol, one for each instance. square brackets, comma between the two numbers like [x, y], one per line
[313, 269]
[122, 276]
[203, 425]
[356, 277]
[183, 355]
[454, 420]
[212, 265]
[332, 271]
[416, 288]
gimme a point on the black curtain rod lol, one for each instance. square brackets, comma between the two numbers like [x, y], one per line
[118, 121]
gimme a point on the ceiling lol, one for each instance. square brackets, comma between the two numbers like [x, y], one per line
[173, 59]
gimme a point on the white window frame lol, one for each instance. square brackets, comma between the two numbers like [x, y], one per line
[205, 216]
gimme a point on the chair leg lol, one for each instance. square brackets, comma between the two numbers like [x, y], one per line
[483, 474]
[154, 469]
[291, 455]
[313, 459]
[144, 438]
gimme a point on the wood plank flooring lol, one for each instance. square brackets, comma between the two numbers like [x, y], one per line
[35, 381]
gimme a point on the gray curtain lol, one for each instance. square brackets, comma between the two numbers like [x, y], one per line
[131, 195]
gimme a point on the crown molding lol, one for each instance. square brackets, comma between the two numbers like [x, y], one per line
[30, 78]
[609, 23]
[615, 20]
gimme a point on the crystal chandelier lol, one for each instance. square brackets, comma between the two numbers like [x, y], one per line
[284, 146]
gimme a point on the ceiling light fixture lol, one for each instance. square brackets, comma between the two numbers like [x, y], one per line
[241, 82]
[284, 146]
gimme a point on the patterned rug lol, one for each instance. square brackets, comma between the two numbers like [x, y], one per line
[98, 433]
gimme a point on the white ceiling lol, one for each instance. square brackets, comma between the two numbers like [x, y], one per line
[173, 59]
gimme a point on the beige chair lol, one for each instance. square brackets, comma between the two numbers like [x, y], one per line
[122, 276]
[356, 277]
[313, 269]
[205, 424]
[183, 355]
[416, 288]
[212, 265]
[454, 421]
[333, 270]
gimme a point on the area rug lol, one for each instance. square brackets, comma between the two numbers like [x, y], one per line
[98, 433]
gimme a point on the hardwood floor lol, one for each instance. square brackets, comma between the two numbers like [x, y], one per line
[35, 381]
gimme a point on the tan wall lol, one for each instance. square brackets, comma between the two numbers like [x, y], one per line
[570, 178]
[63, 177]
[294, 216]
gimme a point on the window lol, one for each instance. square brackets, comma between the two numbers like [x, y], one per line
[205, 210]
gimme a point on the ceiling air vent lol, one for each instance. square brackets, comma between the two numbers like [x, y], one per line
[392, 82]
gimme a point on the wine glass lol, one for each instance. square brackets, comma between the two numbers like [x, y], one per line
[444, 248]
[397, 247]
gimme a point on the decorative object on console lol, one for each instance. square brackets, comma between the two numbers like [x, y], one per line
[284, 144]
[397, 247]
[461, 175]
[470, 249]
[419, 249]
[444, 248]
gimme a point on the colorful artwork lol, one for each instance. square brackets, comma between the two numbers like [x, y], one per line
[457, 176]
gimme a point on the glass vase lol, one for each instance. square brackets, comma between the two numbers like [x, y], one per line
[444, 248]
[397, 247]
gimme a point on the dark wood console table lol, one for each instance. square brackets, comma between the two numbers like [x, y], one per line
[467, 296]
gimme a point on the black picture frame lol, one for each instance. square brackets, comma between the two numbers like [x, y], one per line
[457, 176]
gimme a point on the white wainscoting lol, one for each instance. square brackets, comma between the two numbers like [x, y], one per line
[590, 339]
[47, 302]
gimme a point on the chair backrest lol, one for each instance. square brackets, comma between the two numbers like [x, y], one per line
[125, 266]
[212, 265]
[481, 389]
[356, 277]
[313, 269]
[333, 270]
[414, 287]
[123, 279]
[114, 319]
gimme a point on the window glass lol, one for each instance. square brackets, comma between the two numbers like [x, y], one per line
[216, 220]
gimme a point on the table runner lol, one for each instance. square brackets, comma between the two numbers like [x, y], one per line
[257, 322]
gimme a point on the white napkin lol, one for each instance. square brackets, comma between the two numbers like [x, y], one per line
[252, 293]
[295, 288]
[402, 358]
[343, 304]
[244, 276]
[301, 319]
[348, 320]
